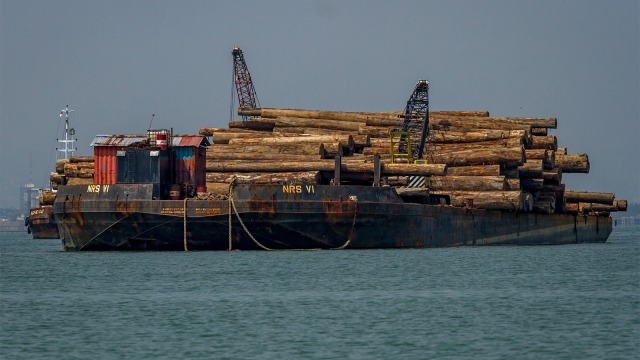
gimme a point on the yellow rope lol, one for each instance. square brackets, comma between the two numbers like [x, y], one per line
[185, 224]
[353, 226]
[232, 204]
[244, 227]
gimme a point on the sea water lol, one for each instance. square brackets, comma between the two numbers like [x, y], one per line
[505, 302]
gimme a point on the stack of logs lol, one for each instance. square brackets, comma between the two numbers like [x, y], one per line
[489, 162]
[77, 170]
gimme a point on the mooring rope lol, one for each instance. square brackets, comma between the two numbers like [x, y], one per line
[233, 204]
[102, 232]
[353, 226]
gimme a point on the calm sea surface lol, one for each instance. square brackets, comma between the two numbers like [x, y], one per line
[536, 302]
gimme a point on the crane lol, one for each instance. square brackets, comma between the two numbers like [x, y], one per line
[415, 128]
[415, 125]
[247, 97]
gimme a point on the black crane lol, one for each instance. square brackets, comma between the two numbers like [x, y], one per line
[247, 97]
[415, 125]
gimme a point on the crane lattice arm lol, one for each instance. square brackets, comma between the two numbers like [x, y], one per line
[247, 97]
[416, 119]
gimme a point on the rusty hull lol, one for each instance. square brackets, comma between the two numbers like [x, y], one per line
[125, 217]
[41, 223]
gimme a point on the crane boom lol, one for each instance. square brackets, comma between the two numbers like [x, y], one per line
[416, 118]
[247, 97]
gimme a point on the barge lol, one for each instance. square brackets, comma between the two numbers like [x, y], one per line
[279, 217]
[465, 179]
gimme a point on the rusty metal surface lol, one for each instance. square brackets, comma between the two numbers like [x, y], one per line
[42, 224]
[190, 165]
[105, 165]
[117, 140]
[127, 140]
[298, 217]
[189, 140]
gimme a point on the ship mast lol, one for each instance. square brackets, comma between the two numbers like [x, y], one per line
[68, 135]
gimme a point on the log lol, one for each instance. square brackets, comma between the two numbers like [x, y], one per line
[284, 121]
[311, 139]
[491, 200]
[532, 122]
[414, 195]
[79, 169]
[558, 190]
[361, 140]
[586, 208]
[384, 114]
[548, 157]
[365, 117]
[474, 170]
[217, 188]
[470, 122]
[575, 163]
[561, 150]
[554, 174]
[551, 123]
[510, 172]
[81, 159]
[47, 198]
[308, 177]
[396, 123]
[223, 156]
[470, 183]
[572, 208]
[504, 143]
[544, 142]
[540, 154]
[79, 181]
[531, 169]
[531, 185]
[477, 135]
[589, 197]
[621, 205]
[512, 183]
[56, 178]
[211, 131]
[326, 165]
[308, 131]
[536, 131]
[285, 149]
[358, 117]
[491, 156]
[374, 131]
[331, 150]
[479, 113]
[500, 143]
[60, 165]
[253, 124]
[225, 137]
[377, 150]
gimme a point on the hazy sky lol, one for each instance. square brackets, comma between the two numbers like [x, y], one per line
[117, 62]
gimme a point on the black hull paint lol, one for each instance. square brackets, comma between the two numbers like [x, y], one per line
[307, 217]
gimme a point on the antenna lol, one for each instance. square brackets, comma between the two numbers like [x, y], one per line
[67, 133]
[150, 122]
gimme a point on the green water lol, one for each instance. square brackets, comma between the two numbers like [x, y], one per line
[537, 302]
